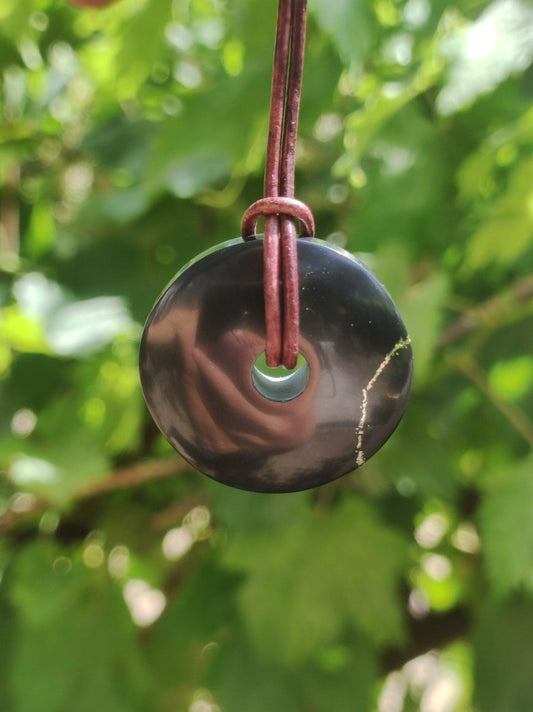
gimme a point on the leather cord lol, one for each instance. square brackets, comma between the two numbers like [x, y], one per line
[280, 209]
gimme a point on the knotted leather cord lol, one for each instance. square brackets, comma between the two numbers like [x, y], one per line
[282, 308]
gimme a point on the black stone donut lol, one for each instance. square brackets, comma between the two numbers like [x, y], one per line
[275, 433]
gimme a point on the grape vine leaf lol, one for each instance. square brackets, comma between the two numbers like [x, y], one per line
[319, 574]
[502, 645]
[73, 635]
[507, 529]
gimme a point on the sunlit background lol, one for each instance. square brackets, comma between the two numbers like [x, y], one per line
[132, 138]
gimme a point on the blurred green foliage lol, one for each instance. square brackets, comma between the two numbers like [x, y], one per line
[131, 139]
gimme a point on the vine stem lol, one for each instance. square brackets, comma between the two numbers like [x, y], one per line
[515, 415]
[489, 313]
[123, 478]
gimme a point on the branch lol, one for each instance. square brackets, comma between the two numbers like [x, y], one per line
[125, 478]
[512, 412]
[490, 313]
[134, 476]
[10, 212]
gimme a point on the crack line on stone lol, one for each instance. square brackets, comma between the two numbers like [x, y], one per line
[359, 432]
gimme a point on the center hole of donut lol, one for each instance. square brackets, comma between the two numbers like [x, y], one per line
[280, 384]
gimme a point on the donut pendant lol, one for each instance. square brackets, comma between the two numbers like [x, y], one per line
[280, 431]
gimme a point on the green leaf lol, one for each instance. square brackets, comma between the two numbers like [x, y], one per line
[319, 574]
[245, 517]
[241, 683]
[188, 155]
[507, 529]
[143, 41]
[351, 25]
[511, 216]
[342, 678]
[470, 75]
[427, 468]
[7, 629]
[74, 637]
[201, 609]
[503, 651]
[59, 585]
[22, 332]
[512, 379]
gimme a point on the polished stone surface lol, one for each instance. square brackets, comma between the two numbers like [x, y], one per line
[205, 333]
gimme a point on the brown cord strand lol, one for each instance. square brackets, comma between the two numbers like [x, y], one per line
[271, 287]
[271, 244]
[282, 310]
[289, 248]
[291, 294]
[294, 91]
[278, 98]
